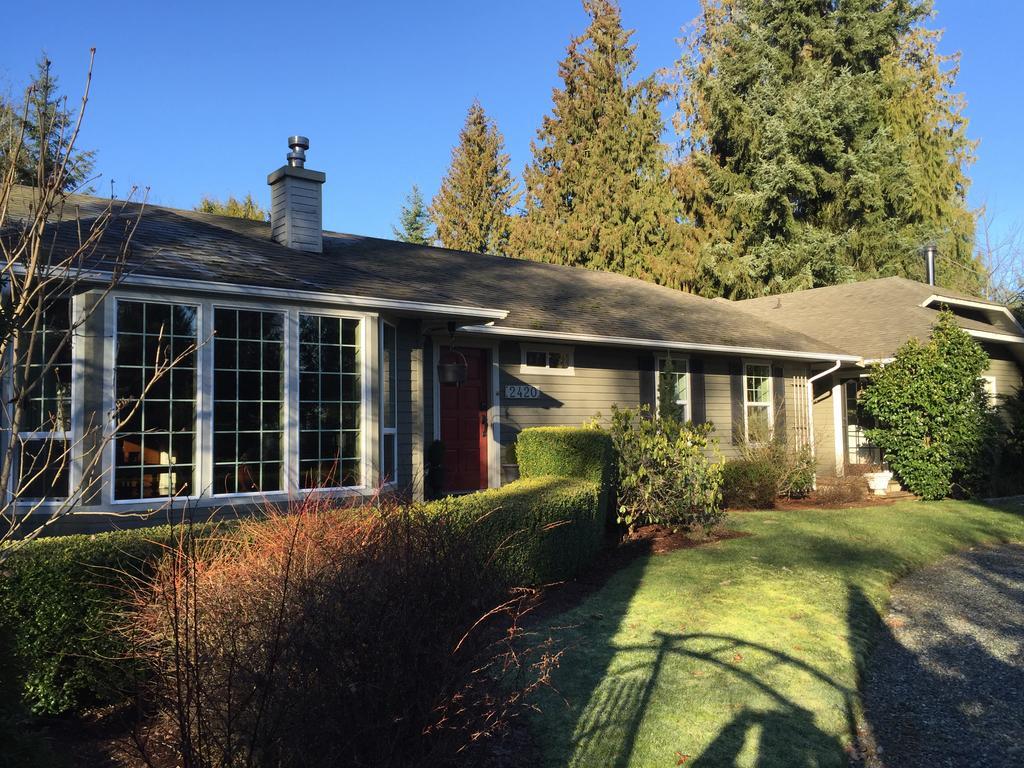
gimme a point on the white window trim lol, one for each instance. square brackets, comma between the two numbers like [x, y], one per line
[657, 384]
[392, 481]
[109, 468]
[292, 404]
[568, 351]
[71, 466]
[204, 401]
[771, 397]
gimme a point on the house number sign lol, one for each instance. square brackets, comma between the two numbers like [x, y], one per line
[521, 392]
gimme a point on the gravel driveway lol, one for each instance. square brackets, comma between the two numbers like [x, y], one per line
[945, 686]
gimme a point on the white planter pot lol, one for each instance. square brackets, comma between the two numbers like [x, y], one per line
[878, 482]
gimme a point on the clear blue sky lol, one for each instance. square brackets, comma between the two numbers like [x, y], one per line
[198, 98]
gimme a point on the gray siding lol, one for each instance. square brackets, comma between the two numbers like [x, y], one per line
[824, 427]
[1007, 374]
[603, 376]
[410, 410]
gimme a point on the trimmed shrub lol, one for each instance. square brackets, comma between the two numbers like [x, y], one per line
[534, 530]
[582, 452]
[62, 600]
[765, 470]
[665, 476]
[750, 483]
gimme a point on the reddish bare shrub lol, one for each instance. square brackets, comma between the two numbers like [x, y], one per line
[333, 637]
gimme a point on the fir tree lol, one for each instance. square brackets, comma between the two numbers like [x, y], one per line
[597, 189]
[925, 117]
[414, 220]
[44, 130]
[811, 137]
[471, 210]
[246, 208]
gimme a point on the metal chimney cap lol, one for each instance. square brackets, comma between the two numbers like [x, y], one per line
[298, 146]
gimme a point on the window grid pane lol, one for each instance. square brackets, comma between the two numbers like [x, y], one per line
[330, 400]
[44, 469]
[758, 384]
[155, 444]
[248, 393]
[47, 405]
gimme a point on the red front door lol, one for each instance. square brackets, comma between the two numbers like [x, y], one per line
[464, 424]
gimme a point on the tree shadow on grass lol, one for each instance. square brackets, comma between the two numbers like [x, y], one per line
[786, 733]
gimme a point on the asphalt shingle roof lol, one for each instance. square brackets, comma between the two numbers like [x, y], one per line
[872, 318]
[538, 297]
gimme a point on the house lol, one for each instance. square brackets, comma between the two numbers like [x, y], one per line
[324, 361]
[872, 319]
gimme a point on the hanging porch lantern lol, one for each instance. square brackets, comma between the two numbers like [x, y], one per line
[454, 369]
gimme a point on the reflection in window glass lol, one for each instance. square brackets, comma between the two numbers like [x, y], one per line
[758, 401]
[536, 359]
[155, 443]
[45, 416]
[673, 389]
[330, 401]
[48, 376]
[248, 391]
[548, 358]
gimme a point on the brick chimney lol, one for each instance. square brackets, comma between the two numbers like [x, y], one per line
[296, 201]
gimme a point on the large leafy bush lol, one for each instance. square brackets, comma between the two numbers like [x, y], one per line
[932, 412]
[668, 471]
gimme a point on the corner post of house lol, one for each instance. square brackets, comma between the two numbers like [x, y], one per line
[371, 396]
[416, 420]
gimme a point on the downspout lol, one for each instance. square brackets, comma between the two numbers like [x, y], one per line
[810, 410]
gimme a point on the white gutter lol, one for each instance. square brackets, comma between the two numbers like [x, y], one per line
[810, 407]
[178, 283]
[622, 341]
[989, 336]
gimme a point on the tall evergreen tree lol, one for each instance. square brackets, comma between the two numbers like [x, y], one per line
[414, 220]
[246, 208]
[471, 210]
[812, 133]
[597, 190]
[925, 117]
[45, 128]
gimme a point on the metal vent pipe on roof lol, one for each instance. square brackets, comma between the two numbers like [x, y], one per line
[298, 146]
[930, 252]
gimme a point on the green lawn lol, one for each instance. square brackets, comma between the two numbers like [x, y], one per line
[743, 652]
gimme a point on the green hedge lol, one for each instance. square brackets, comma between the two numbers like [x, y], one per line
[535, 530]
[61, 602]
[565, 452]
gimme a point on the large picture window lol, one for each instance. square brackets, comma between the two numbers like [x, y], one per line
[758, 401]
[673, 395]
[389, 404]
[248, 393]
[44, 376]
[155, 387]
[330, 400]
